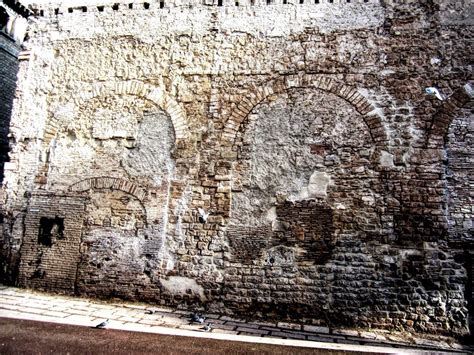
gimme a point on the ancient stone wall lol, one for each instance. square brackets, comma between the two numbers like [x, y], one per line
[12, 32]
[253, 157]
[8, 70]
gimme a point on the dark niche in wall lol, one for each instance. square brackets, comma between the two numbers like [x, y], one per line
[50, 229]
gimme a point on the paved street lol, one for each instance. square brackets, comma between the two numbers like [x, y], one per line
[17, 304]
[22, 336]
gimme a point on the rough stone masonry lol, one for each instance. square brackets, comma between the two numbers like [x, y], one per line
[270, 158]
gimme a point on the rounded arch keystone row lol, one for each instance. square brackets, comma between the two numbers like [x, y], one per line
[445, 115]
[148, 92]
[278, 86]
[109, 183]
[135, 88]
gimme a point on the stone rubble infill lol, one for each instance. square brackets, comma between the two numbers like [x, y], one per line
[33, 305]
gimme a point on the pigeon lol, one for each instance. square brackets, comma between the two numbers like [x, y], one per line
[434, 91]
[469, 89]
[435, 61]
[197, 318]
[207, 327]
[150, 311]
[202, 215]
[102, 325]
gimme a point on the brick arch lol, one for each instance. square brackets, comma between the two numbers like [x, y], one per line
[148, 92]
[105, 182]
[278, 86]
[136, 88]
[442, 119]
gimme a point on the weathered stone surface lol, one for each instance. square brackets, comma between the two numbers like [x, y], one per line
[12, 32]
[247, 159]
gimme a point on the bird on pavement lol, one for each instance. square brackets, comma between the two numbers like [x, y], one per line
[208, 327]
[197, 318]
[150, 311]
[103, 324]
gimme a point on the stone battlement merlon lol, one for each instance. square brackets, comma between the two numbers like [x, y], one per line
[108, 7]
[17, 7]
[197, 18]
[13, 19]
[452, 13]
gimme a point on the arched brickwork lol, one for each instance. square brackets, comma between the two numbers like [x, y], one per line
[136, 88]
[348, 93]
[445, 115]
[109, 183]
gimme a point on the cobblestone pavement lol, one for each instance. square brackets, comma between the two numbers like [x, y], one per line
[33, 305]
